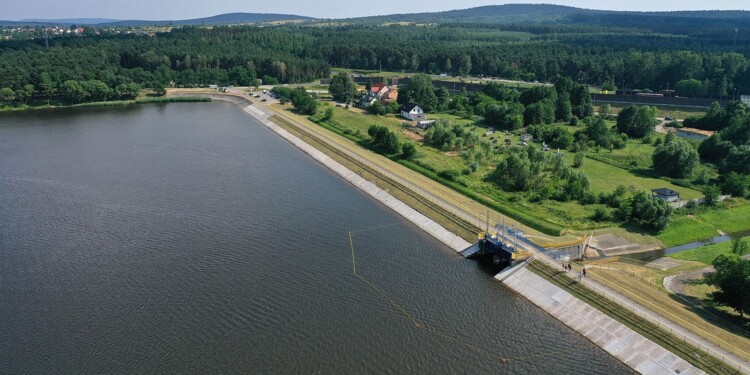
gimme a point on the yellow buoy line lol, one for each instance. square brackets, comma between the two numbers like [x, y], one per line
[420, 325]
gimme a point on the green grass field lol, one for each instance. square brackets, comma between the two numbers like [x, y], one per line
[604, 177]
[687, 229]
[706, 254]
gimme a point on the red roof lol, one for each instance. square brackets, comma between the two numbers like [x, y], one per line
[377, 88]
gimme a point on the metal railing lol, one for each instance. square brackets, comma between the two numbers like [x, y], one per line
[728, 354]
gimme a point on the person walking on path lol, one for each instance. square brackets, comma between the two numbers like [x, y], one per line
[583, 271]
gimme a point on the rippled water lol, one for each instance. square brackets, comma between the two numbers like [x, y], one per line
[186, 238]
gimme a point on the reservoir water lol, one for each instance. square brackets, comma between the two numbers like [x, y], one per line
[186, 238]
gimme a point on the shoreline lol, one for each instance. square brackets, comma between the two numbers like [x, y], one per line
[110, 103]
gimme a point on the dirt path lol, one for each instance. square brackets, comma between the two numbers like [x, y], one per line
[676, 283]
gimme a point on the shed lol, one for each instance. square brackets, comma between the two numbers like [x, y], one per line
[665, 194]
[424, 124]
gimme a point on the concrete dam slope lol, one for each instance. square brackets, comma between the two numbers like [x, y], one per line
[638, 352]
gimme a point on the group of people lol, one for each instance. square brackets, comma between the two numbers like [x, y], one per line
[567, 267]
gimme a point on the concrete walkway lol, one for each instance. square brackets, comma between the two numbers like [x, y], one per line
[636, 351]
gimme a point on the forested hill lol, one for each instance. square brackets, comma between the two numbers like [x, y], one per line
[558, 14]
[221, 19]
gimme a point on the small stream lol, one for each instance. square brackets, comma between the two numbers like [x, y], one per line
[656, 254]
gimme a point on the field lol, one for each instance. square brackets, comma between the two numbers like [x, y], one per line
[662, 112]
[706, 254]
[691, 228]
[354, 123]
[605, 177]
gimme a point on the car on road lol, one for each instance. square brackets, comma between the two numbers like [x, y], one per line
[669, 118]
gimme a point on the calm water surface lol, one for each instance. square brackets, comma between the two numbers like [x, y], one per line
[186, 238]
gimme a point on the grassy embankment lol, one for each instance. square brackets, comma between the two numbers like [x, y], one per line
[706, 254]
[548, 216]
[673, 112]
[690, 228]
[651, 331]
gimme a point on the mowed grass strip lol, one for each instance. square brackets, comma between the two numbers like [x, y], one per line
[686, 229]
[605, 177]
[707, 254]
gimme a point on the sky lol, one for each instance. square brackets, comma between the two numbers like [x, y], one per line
[185, 9]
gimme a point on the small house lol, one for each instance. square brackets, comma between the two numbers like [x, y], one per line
[213, 87]
[527, 137]
[390, 96]
[665, 194]
[379, 90]
[367, 101]
[412, 112]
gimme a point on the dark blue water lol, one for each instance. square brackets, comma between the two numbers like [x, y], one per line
[187, 238]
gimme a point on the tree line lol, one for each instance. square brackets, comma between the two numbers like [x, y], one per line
[195, 56]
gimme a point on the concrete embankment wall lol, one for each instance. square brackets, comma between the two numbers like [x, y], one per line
[636, 351]
[423, 222]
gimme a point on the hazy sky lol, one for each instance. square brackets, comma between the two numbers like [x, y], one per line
[183, 9]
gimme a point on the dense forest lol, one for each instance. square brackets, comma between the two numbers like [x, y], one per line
[192, 56]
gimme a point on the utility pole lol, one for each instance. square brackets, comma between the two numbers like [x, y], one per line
[46, 37]
[736, 31]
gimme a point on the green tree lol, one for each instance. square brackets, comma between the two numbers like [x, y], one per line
[419, 91]
[578, 159]
[127, 90]
[604, 111]
[676, 159]
[506, 116]
[637, 121]
[7, 95]
[597, 132]
[342, 88]
[736, 184]
[580, 98]
[732, 279]
[537, 94]
[711, 195]
[48, 86]
[689, 87]
[384, 138]
[739, 246]
[72, 91]
[408, 151]
[25, 93]
[563, 110]
[159, 89]
[542, 112]
[650, 212]
[96, 90]
[738, 160]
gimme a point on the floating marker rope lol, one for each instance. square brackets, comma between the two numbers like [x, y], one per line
[413, 320]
